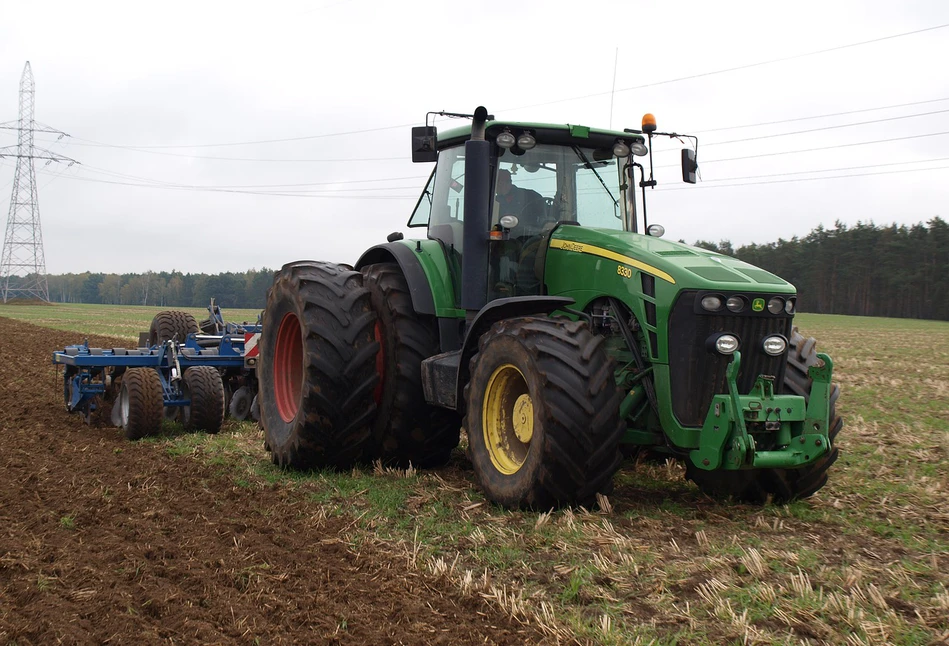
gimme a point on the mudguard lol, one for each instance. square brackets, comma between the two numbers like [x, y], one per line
[419, 288]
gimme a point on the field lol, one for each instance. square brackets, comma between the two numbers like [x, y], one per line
[197, 538]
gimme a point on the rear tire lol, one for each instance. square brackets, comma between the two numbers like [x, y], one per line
[543, 414]
[406, 429]
[779, 485]
[205, 389]
[317, 368]
[171, 324]
[140, 403]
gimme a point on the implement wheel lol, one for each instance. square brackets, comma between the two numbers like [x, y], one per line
[317, 368]
[406, 428]
[543, 414]
[171, 324]
[779, 485]
[138, 408]
[239, 408]
[203, 386]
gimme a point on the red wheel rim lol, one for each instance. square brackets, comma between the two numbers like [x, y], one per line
[380, 363]
[288, 367]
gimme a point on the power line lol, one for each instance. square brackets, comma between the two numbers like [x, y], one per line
[249, 186]
[818, 116]
[137, 148]
[628, 89]
[99, 144]
[805, 179]
[265, 193]
[811, 150]
[255, 159]
[827, 170]
[739, 67]
[843, 125]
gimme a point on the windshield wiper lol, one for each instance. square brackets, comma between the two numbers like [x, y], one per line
[588, 164]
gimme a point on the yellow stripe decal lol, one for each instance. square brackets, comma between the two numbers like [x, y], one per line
[570, 245]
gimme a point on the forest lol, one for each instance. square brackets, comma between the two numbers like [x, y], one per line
[865, 270]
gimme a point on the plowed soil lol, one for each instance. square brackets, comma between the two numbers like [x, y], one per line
[107, 541]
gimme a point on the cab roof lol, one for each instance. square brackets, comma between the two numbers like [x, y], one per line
[557, 133]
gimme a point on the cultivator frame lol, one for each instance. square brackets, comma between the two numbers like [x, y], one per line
[93, 373]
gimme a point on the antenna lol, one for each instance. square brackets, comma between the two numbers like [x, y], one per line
[23, 264]
[613, 90]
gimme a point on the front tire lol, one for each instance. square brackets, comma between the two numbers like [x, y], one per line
[406, 429]
[543, 414]
[317, 367]
[780, 485]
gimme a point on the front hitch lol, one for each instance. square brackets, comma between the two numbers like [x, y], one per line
[736, 424]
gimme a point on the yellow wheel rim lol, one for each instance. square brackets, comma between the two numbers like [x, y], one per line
[507, 418]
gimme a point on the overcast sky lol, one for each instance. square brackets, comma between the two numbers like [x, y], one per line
[146, 89]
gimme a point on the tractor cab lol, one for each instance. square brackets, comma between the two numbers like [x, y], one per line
[537, 177]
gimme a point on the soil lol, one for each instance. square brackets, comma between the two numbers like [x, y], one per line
[107, 541]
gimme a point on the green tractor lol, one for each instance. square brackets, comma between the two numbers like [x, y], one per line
[544, 316]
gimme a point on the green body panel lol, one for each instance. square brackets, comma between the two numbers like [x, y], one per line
[586, 263]
[587, 274]
[435, 265]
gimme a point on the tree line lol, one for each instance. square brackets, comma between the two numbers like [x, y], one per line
[865, 270]
[164, 289]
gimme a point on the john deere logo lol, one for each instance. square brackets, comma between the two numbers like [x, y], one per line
[758, 305]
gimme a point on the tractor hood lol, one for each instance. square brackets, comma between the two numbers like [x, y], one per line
[684, 266]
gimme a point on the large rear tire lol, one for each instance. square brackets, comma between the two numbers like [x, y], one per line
[140, 403]
[779, 485]
[406, 429]
[543, 414]
[204, 387]
[317, 368]
[171, 324]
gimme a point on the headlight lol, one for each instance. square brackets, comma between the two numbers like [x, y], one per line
[735, 304]
[774, 345]
[526, 141]
[638, 148]
[656, 230]
[712, 302]
[620, 149]
[790, 305]
[506, 140]
[722, 343]
[776, 305]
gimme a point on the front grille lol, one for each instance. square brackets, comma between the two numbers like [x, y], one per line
[697, 374]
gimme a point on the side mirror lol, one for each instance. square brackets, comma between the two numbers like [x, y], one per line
[689, 166]
[424, 144]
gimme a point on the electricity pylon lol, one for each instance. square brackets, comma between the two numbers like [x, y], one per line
[23, 258]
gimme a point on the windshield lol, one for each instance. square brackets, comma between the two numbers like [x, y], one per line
[577, 184]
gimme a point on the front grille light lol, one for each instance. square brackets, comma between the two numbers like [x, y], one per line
[790, 306]
[712, 302]
[774, 345]
[722, 343]
[735, 303]
[776, 305]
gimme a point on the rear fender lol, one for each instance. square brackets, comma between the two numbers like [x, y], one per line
[419, 288]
